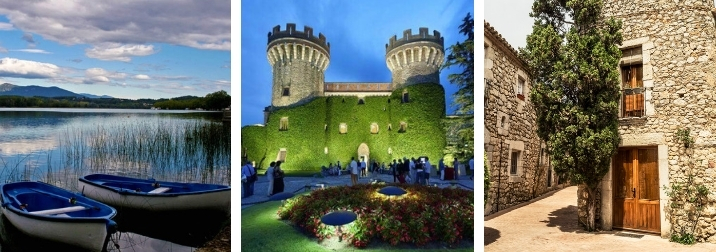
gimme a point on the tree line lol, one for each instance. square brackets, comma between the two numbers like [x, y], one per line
[214, 101]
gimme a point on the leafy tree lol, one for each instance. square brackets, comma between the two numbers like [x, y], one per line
[573, 55]
[217, 100]
[462, 54]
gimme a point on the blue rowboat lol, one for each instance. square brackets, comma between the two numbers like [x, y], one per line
[55, 214]
[152, 195]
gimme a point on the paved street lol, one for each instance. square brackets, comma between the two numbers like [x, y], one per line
[550, 224]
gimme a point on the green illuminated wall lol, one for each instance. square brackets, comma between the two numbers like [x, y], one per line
[306, 138]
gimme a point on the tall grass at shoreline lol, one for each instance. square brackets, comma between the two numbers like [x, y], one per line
[196, 152]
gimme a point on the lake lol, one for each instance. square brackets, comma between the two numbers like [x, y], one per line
[58, 146]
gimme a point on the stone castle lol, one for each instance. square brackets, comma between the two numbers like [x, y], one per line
[668, 77]
[299, 60]
[311, 122]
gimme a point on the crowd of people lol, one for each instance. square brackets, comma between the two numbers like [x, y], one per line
[274, 174]
[412, 171]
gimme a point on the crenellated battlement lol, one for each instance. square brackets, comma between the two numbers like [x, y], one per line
[408, 37]
[306, 34]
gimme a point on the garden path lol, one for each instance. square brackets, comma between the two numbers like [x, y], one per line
[293, 184]
[550, 224]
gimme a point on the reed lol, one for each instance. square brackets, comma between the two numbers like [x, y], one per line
[195, 151]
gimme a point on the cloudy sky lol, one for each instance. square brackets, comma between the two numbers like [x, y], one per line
[126, 49]
[511, 18]
[357, 31]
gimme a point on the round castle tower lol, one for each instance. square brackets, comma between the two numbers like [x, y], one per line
[298, 62]
[416, 58]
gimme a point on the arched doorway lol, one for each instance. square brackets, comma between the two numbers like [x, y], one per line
[363, 153]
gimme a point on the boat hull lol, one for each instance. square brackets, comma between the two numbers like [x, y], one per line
[92, 236]
[216, 200]
[55, 214]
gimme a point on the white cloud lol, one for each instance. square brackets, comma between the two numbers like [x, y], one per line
[32, 51]
[99, 75]
[17, 68]
[6, 26]
[141, 77]
[95, 79]
[194, 23]
[119, 52]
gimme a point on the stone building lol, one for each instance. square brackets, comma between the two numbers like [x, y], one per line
[299, 60]
[518, 162]
[312, 122]
[667, 72]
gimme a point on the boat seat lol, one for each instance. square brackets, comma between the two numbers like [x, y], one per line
[160, 190]
[59, 210]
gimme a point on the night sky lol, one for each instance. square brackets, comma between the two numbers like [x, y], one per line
[357, 32]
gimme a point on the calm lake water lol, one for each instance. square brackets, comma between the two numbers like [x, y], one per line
[57, 146]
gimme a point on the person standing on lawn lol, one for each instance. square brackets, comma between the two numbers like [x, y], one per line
[353, 166]
[456, 166]
[472, 167]
[363, 167]
[428, 168]
[413, 171]
[441, 169]
[269, 175]
[248, 172]
[278, 178]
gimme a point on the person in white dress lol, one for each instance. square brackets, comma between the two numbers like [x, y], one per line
[354, 171]
[269, 175]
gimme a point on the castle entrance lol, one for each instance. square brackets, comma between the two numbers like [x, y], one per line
[636, 190]
[363, 153]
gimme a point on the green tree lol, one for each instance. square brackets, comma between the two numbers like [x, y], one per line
[573, 55]
[217, 100]
[462, 54]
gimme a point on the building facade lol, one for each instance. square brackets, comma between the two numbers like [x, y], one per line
[518, 161]
[312, 123]
[667, 78]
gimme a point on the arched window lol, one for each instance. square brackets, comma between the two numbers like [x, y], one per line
[374, 128]
[403, 127]
[283, 125]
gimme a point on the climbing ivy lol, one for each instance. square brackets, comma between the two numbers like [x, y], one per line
[687, 198]
[313, 127]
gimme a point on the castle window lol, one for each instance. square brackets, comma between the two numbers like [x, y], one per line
[521, 88]
[515, 162]
[390, 126]
[632, 101]
[361, 101]
[343, 128]
[283, 124]
[285, 91]
[374, 128]
[403, 127]
[406, 98]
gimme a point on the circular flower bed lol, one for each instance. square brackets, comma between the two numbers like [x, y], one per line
[423, 215]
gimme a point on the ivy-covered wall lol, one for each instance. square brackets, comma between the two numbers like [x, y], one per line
[306, 136]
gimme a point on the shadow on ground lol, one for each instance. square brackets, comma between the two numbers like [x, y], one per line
[491, 235]
[565, 219]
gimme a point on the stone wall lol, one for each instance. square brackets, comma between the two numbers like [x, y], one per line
[677, 40]
[510, 125]
[414, 63]
[303, 80]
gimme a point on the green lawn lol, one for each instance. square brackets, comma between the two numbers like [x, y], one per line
[261, 230]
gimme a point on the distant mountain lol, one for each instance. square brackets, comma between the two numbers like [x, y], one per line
[30, 91]
[91, 96]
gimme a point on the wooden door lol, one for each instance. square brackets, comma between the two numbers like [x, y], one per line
[636, 190]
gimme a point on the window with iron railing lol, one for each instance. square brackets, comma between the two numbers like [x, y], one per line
[632, 101]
